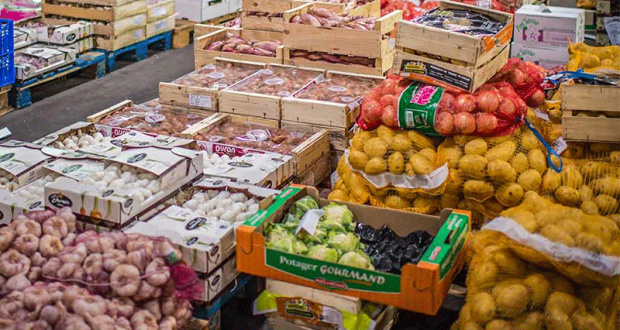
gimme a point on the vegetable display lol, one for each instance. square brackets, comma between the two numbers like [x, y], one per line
[324, 17]
[410, 10]
[237, 44]
[151, 120]
[593, 59]
[337, 88]
[81, 140]
[526, 78]
[276, 81]
[494, 109]
[8, 181]
[255, 136]
[331, 58]
[218, 75]
[220, 205]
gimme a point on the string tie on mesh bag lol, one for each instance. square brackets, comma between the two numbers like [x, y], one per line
[550, 150]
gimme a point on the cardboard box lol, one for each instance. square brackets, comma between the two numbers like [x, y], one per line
[420, 288]
[548, 57]
[260, 169]
[64, 34]
[201, 10]
[549, 26]
[173, 168]
[22, 161]
[79, 46]
[218, 280]
[161, 26]
[52, 57]
[24, 37]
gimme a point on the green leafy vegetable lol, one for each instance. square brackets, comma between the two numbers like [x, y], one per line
[346, 242]
[356, 259]
[322, 252]
[302, 205]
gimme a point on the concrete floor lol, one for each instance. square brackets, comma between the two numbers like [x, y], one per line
[138, 82]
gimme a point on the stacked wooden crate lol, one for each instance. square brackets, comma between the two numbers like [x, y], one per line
[160, 16]
[117, 23]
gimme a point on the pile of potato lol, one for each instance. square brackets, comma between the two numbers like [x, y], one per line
[591, 59]
[495, 172]
[507, 292]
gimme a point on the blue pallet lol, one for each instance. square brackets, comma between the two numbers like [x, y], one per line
[139, 49]
[6, 37]
[205, 312]
[20, 96]
[7, 69]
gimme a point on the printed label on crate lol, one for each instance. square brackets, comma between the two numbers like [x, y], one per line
[159, 11]
[310, 312]
[75, 169]
[225, 149]
[161, 25]
[18, 160]
[331, 275]
[436, 72]
[559, 145]
[200, 101]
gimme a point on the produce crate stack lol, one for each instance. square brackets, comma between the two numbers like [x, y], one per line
[607, 11]
[76, 36]
[352, 43]
[203, 10]
[117, 23]
[541, 36]
[36, 60]
[160, 16]
[445, 58]
[7, 64]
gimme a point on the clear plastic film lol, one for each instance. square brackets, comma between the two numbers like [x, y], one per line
[461, 21]
[337, 88]
[218, 75]
[276, 81]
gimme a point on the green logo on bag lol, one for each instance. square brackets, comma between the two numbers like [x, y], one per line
[417, 106]
[331, 275]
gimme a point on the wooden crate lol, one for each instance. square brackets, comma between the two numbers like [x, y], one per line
[267, 6]
[110, 3]
[304, 155]
[116, 42]
[160, 10]
[204, 29]
[316, 173]
[577, 98]
[334, 40]
[203, 56]
[372, 8]
[161, 26]
[4, 100]
[113, 28]
[253, 104]
[182, 35]
[255, 22]
[193, 97]
[452, 45]
[382, 65]
[338, 137]
[329, 114]
[466, 77]
[106, 14]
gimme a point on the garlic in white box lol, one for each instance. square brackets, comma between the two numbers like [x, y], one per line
[8, 181]
[222, 205]
[141, 185]
[81, 140]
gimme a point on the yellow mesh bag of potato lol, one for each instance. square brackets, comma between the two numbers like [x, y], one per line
[595, 60]
[506, 291]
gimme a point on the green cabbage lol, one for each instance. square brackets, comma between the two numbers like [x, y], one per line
[302, 205]
[338, 213]
[346, 242]
[322, 252]
[356, 259]
[288, 244]
[319, 236]
[276, 232]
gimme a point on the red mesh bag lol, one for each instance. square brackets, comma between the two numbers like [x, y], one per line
[494, 109]
[526, 78]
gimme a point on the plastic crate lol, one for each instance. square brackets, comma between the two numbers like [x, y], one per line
[7, 69]
[6, 37]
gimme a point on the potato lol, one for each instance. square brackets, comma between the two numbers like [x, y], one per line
[429, 154]
[501, 286]
[615, 218]
[454, 182]
[483, 307]
[592, 170]
[473, 166]
[375, 165]
[562, 284]
[405, 193]
[585, 321]
[571, 227]
[503, 151]
[396, 163]
[396, 202]
[420, 165]
[614, 157]
[385, 133]
[419, 140]
[461, 140]
[519, 162]
[529, 141]
[567, 195]
[484, 275]
[358, 159]
[338, 195]
[606, 185]
[450, 155]
[500, 171]
[590, 242]
[509, 263]
[530, 180]
[589, 207]
[476, 147]
[359, 140]
[585, 194]
[448, 201]
[540, 288]
[599, 226]
[564, 302]
[536, 160]
[529, 321]
[498, 324]
[513, 300]
[547, 217]
[555, 319]
[494, 206]
[357, 189]
[409, 169]
[551, 181]
[525, 219]
[400, 142]
[375, 147]
[571, 177]
[465, 314]
[598, 297]
[430, 205]
[556, 234]
[477, 189]
[606, 204]
[469, 326]
[509, 194]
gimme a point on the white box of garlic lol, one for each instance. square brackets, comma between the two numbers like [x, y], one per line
[130, 183]
[266, 169]
[20, 164]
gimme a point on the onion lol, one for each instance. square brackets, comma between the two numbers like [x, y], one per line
[517, 77]
[487, 101]
[371, 112]
[536, 99]
[507, 108]
[485, 123]
[389, 116]
[444, 123]
[465, 122]
[447, 103]
[465, 103]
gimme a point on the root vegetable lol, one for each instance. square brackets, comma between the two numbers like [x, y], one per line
[55, 226]
[11, 303]
[50, 314]
[113, 258]
[145, 292]
[157, 272]
[143, 319]
[168, 323]
[125, 280]
[36, 296]
[485, 123]
[66, 270]
[168, 306]
[93, 265]
[465, 103]
[465, 123]
[34, 274]
[17, 283]
[101, 322]
[24, 227]
[444, 123]
[124, 306]
[69, 239]
[26, 244]
[37, 259]
[7, 235]
[139, 258]
[91, 305]
[51, 267]
[50, 246]
[488, 101]
[153, 307]
[12, 263]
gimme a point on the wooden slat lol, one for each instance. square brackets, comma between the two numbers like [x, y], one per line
[382, 65]
[250, 104]
[111, 3]
[267, 6]
[106, 14]
[95, 118]
[590, 97]
[310, 151]
[591, 129]
[255, 22]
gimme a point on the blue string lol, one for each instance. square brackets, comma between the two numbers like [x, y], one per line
[550, 150]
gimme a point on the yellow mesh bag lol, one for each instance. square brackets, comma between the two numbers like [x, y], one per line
[603, 60]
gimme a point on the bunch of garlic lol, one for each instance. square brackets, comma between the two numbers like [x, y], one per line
[222, 205]
[81, 140]
[35, 190]
[8, 181]
[141, 185]
[214, 159]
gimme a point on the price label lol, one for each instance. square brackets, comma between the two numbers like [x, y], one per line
[559, 145]
[200, 101]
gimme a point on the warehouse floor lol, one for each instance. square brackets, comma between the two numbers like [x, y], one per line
[59, 104]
